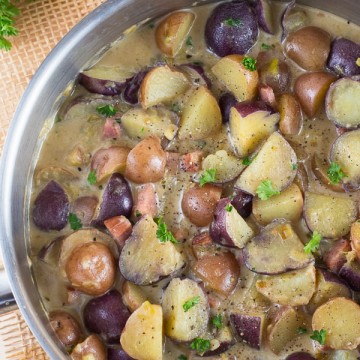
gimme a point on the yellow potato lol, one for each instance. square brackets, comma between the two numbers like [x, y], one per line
[142, 337]
[170, 34]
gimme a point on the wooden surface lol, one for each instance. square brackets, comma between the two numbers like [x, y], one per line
[41, 24]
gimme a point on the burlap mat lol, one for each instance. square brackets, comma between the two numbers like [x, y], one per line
[42, 24]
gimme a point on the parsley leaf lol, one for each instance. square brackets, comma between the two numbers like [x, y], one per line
[8, 12]
[249, 63]
[187, 305]
[189, 41]
[175, 107]
[207, 177]
[228, 207]
[162, 232]
[294, 166]
[217, 321]
[314, 243]
[182, 357]
[335, 173]
[319, 336]
[92, 177]
[74, 222]
[138, 213]
[246, 161]
[266, 190]
[301, 330]
[200, 345]
[107, 110]
[266, 46]
[232, 22]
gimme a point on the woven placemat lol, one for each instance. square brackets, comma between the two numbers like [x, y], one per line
[42, 24]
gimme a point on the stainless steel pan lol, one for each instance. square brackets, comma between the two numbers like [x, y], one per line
[40, 100]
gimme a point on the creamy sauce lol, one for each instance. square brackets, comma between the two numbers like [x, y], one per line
[82, 125]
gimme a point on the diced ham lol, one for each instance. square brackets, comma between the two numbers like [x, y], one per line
[191, 162]
[146, 201]
[267, 95]
[335, 258]
[120, 228]
[111, 129]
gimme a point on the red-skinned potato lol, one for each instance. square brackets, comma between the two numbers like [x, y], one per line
[146, 161]
[309, 47]
[199, 203]
[132, 295]
[290, 115]
[92, 348]
[310, 89]
[84, 208]
[335, 257]
[171, 32]
[66, 328]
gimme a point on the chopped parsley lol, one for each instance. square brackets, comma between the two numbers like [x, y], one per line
[228, 207]
[232, 22]
[92, 177]
[162, 232]
[217, 321]
[335, 174]
[74, 222]
[151, 25]
[301, 330]
[249, 63]
[266, 190]
[200, 345]
[246, 161]
[175, 107]
[138, 213]
[207, 177]
[294, 166]
[189, 41]
[187, 305]
[182, 357]
[314, 243]
[319, 336]
[266, 46]
[106, 110]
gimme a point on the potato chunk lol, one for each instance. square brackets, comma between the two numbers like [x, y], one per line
[186, 310]
[142, 337]
[340, 318]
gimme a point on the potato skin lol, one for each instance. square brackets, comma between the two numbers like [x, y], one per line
[92, 348]
[309, 47]
[66, 328]
[199, 203]
[91, 268]
[146, 161]
[290, 115]
[311, 88]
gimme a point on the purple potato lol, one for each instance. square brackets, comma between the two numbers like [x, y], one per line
[226, 102]
[264, 15]
[331, 277]
[117, 200]
[343, 56]
[228, 228]
[300, 356]
[51, 208]
[84, 208]
[231, 28]
[117, 354]
[131, 91]
[224, 346]
[249, 328]
[284, 17]
[246, 108]
[197, 74]
[101, 86]
[242, 202]
[50, 253]
[106, 316]
[350, 272]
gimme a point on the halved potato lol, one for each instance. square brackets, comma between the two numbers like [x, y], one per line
[250, 125]
[141, 123]
[346, 153]
[201, 116]
[186, 310]
[331, 216]
[144, 258]
[294, 288]
[276, 250]
[227, 166]
[171, 32]
[290, 115]
[142, 337]
[273, 162]
[287, 205]
[161, 85]
[340, 318]
[236, 77]
[284, 328]
[133, 296]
